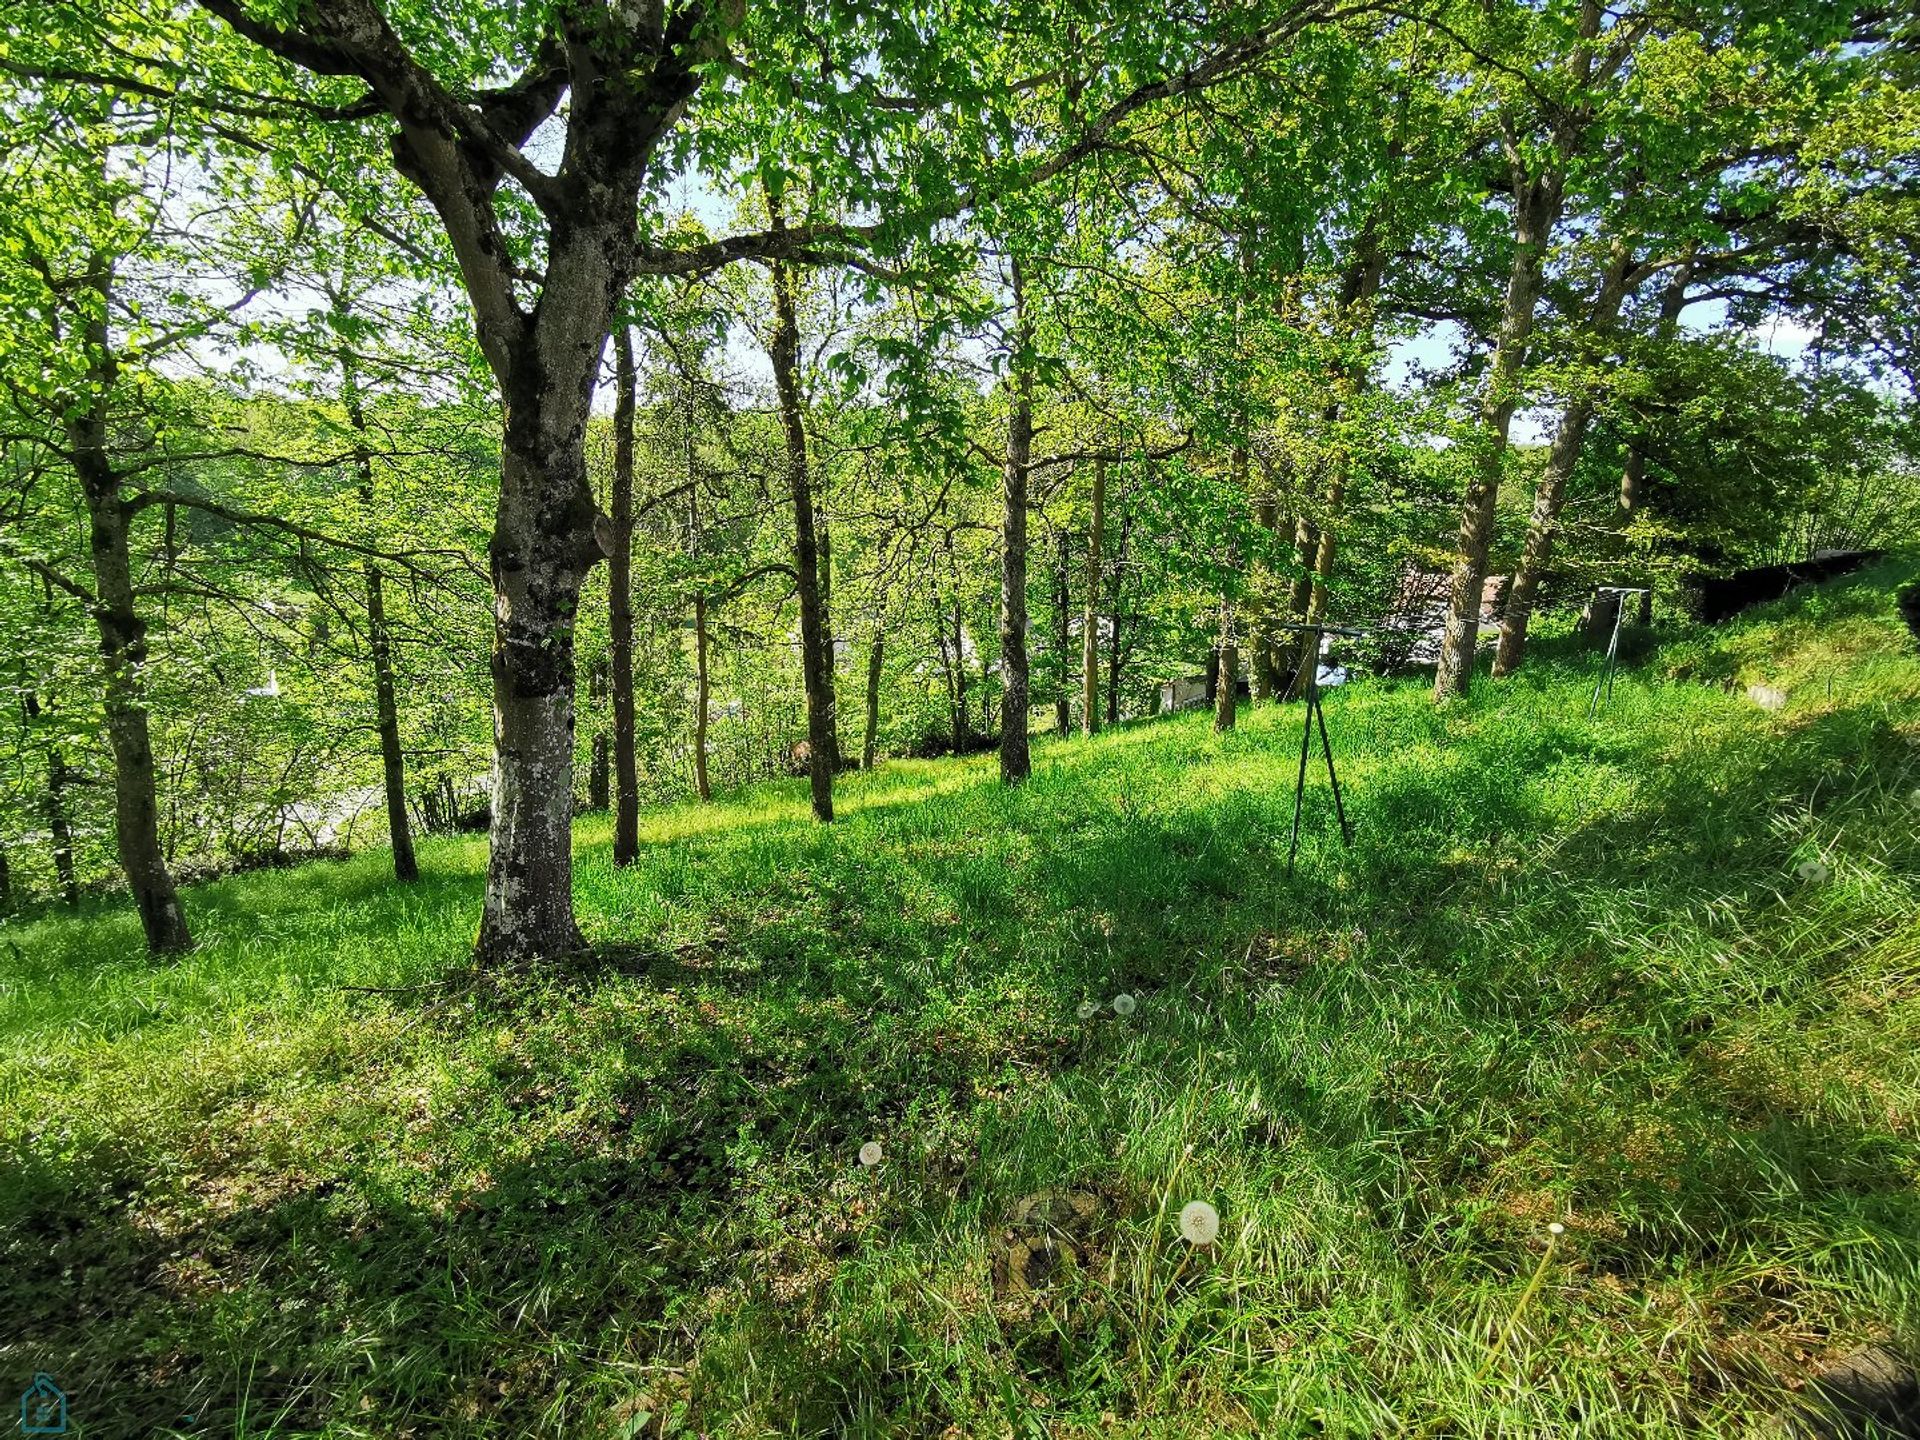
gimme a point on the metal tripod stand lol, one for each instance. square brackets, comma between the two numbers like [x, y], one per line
[1316, 715]
[1612, 662]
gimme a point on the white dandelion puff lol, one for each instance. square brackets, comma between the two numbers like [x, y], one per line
[1813, 872]
[871, 1154]
[1088, 1009]
[1123, 1003]
[1199, 1223]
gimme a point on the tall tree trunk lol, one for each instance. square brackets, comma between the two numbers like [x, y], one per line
[626, 775]
[1550, 494]
[1298, 592]
[60, 828]
[123, 649]
[386, 705]
[986, 694]
[547, 535]
[123, 652]
[1324, 546]
[54, 806]
[1116, 655]
[1633, 477]
[1306, 649]
[600, 774]
[1537, 208]
[1062, 636]
[701, 784]
[1016, 763]
[829, 659]
[1266, 675]
[1306, 541]
[957, 668]
[539, 555]
[1226, 672]
[1542, 524]
[600, 765]
[876, 659]
[783, 350]
[1634, 471]
[1090, 617]
[393, 762]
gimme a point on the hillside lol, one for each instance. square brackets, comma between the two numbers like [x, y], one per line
[1653, 977]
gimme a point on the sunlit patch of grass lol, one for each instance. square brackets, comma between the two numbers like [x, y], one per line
[1568, 974]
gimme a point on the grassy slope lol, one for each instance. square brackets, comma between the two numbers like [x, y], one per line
[1568, 972]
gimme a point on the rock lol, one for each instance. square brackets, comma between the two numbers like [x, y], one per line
[1872, 1391]
[1048, 1236]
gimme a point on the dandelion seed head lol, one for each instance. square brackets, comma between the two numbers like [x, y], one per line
[1123, 1003]
[871, 1154]
[1813, 872]
[1088, 1009]
[1199, 1223]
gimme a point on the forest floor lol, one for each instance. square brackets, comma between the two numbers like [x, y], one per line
[1653, 976]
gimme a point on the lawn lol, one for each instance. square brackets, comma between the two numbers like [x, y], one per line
[1653, 977]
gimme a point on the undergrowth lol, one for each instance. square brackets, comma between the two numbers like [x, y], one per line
[1653, 976]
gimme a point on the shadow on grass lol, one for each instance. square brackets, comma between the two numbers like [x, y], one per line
[618, 1173]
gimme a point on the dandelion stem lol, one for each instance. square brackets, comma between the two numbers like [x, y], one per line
[1520, 1306]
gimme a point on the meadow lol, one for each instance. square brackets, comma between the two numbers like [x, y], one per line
[1652, 977]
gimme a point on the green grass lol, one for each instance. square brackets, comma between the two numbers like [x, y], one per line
[1567, 973]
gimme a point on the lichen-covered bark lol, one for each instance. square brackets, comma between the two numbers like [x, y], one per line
[547, 533]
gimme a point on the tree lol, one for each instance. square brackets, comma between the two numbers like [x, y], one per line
[626, 783]
[816, 645]
[379, 637]
[1542, 120]
[544, 256]
[1016, 763]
